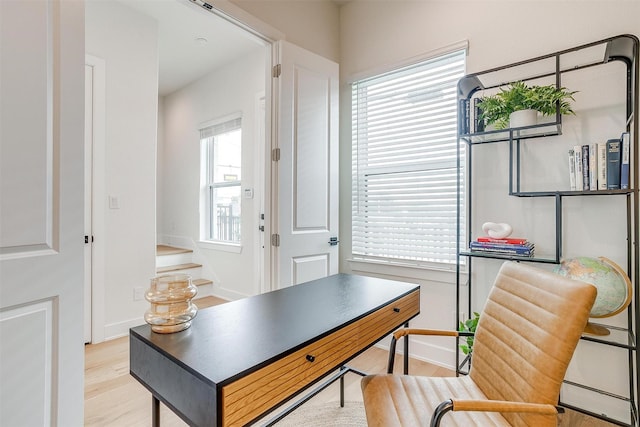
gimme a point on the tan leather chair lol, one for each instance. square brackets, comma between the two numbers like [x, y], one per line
[523, 344]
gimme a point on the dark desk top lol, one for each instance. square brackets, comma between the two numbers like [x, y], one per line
[239, 337]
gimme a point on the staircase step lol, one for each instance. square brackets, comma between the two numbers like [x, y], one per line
[170, 250]
[177, 267]
[202, 282]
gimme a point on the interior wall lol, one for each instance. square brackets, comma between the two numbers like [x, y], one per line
[127, 41]
[311, 24]
[228, 90]
[375, 35]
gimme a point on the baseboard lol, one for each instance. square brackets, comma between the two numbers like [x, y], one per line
[227, 294]
[426, 352]
[121, 329]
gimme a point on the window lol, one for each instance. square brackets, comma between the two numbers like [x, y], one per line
[221, 148]
[405, 163]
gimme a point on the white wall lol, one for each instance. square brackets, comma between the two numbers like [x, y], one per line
[311, 24]
[224, 91]
[375, 35]
[127, 41]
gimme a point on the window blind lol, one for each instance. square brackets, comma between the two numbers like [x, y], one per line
[404, 162]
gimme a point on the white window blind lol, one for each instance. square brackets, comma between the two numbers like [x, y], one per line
[405, 162]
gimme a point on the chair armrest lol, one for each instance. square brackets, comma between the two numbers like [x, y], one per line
[490, 406]
[409, 331]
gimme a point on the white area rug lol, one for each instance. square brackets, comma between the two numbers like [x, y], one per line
[327, 415]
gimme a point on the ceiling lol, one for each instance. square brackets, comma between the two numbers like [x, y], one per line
[192, 41]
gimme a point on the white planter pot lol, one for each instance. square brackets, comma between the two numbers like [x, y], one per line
[522, 118]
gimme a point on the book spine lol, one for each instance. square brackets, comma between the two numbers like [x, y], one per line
[593, 167]
[613, 164]
[521, 252]
[511, 240]
[464, 116]
[624, 160]
[477, 112]
[572, 171]
[585, 167]
[507, 246]
[577, 151]
[602, 166]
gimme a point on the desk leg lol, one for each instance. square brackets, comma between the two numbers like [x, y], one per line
[155, 412]
[342, 390]
[406, 351]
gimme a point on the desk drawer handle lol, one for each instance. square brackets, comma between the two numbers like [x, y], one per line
[396, 309]
[311, 358]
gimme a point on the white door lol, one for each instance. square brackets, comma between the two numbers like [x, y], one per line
[307, 169]
[41, 212]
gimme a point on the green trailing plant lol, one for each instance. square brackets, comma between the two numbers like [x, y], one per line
[468, 325]
[495, 109]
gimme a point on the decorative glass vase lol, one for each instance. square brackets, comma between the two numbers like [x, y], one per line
[171, 307]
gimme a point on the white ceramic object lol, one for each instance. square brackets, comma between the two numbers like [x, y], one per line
[522, 118]
[497, 230]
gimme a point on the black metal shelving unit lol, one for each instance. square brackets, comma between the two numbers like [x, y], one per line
[553, 66]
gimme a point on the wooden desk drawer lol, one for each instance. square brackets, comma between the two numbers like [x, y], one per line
[251, 396]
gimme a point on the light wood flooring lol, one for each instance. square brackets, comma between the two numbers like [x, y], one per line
[115, 398]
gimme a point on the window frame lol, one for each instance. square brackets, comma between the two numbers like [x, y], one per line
[208, 185]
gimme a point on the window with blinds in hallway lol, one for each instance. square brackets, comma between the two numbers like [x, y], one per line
[405, 163]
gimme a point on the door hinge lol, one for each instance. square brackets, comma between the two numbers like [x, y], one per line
[275, 154]
[275, 240]
[277, 70]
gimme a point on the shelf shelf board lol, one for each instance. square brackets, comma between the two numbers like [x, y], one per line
[540, 259]
[618, 337]
[569, 193]
[526, 132]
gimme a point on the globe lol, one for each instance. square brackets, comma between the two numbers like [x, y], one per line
[613, 285]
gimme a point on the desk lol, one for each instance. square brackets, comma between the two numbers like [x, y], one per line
[240, 360]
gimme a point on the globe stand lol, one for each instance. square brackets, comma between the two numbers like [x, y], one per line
[597, 330]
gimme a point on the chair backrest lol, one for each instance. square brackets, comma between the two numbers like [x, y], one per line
[527, 334]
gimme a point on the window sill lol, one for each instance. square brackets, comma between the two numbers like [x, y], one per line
[406, 271]
[220, 246]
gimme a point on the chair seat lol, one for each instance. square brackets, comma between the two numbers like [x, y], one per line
[402, 400]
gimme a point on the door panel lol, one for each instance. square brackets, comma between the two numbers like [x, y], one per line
[311, 146]
[41, 206]
[307, 172]
[306, 268]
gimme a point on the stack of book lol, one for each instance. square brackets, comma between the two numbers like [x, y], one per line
[506, 246]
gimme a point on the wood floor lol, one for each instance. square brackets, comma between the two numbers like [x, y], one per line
[114, 398]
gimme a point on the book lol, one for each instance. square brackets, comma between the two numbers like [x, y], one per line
[572, 171]
[464, 116]
[624, 160]
[585, 167]
[510, 240]
[478, 123]
[613, 164]
[602, 166]
[593, 167]
[577, 151]
[491, 245]
[526, 249]
[529, 252]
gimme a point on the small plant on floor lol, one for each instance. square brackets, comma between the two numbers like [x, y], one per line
[469, 326]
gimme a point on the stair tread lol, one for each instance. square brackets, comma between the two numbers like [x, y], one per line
[170, 250]
[178, 267]
[201, 282]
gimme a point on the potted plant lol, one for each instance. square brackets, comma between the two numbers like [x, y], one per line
[498, 109]
[468, 325]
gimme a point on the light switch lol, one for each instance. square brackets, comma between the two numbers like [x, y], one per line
[248, 193]
[114, 202]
